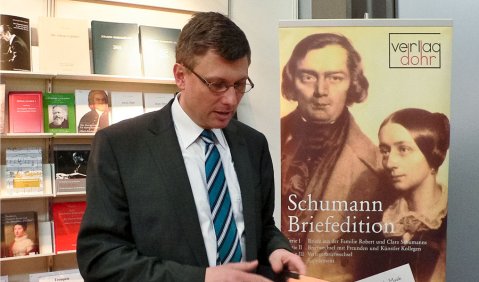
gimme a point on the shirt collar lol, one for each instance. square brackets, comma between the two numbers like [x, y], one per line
[187, 130]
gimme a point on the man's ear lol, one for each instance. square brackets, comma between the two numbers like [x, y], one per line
[179, 72]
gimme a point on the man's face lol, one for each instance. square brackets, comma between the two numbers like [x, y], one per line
[322, 81]
[59, 115]
[100, 102]
[206, 108]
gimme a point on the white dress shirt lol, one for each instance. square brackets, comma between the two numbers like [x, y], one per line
[193, 150]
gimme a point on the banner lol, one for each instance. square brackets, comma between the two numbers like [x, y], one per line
[365, 107]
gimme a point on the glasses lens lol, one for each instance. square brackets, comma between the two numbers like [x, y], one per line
[217, 87]
[247, 87]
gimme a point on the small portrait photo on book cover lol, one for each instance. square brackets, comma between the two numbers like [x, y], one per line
[19, 234]
[59, 112]
[92, 110]
[58, 116]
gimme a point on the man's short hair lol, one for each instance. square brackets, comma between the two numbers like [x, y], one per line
[211, 31]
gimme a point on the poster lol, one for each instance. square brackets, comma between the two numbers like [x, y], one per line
[365, 109]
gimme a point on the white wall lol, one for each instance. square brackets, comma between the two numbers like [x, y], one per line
[463, 214]
[260, 107]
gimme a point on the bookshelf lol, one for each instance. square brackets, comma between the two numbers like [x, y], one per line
[149, 13]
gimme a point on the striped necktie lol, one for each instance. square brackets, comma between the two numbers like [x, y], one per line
[227, 238]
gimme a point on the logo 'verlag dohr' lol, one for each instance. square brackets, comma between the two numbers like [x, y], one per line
[414, 50]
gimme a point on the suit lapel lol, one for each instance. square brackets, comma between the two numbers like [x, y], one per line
[166, 150]
[242, 165]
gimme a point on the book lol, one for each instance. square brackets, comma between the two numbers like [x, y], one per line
[19, 232]
[25, 111]
[15, 47]
[67, 217]
[64, 45]
[2, 108]
[70, 275]
[116, 48]
[24, 170]
[59, 112]
[353, 153]
[125, 105]
[70, 161]
[92, 110]
[158, 53]
[155, 101]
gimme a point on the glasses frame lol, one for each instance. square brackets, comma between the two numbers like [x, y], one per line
[209, 84]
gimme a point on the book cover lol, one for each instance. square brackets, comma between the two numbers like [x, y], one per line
[125, 105]
[67, 217]
[15, 48]
[70, 162]
[2, 108]
[19, 234]
[92, 110]
[158, 46]
[25, 111]
[365, 109]
[116, 48]
[59, 112]
[154, 101]
[64, 45]
[70, 275]
[24, 170]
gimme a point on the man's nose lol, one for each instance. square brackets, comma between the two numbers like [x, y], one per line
[321, 88]
[230, 96]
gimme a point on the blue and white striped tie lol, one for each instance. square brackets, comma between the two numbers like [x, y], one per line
[227, 238]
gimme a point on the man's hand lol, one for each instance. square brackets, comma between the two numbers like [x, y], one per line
[282, 259]
[234, 272]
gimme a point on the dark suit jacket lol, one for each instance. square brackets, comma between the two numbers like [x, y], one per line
[141, 222]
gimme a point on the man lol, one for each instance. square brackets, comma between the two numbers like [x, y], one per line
[325, 155]
[97, 118]
[59, 115]
[17, 56]
[149, 216]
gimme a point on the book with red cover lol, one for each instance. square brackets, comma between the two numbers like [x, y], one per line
[66, 222]
[25, 111]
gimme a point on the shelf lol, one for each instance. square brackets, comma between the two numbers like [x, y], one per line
[116, 78]
[87, 77]
[26, 135]
[25, 196]
[74, 135]
[26, 74]
[27, 257]
[46, 135]
[69, 194]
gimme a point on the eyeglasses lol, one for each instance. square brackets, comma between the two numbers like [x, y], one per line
[221, 87]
